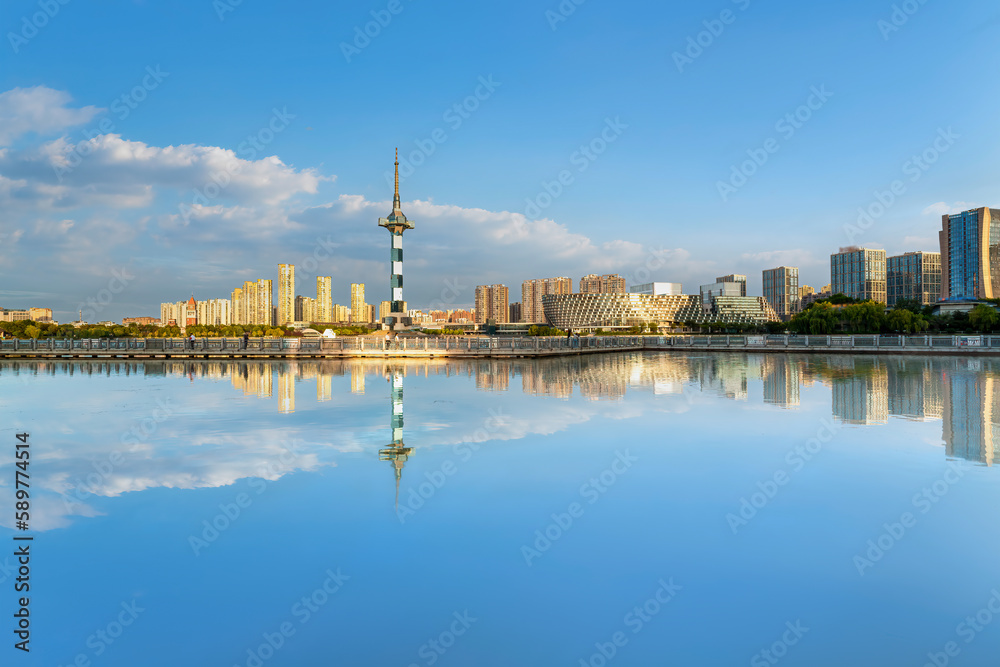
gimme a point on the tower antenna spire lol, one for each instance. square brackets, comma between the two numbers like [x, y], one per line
[395, 197]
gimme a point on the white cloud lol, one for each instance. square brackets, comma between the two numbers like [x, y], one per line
[113, 172]
[943, 208]
[39, 109]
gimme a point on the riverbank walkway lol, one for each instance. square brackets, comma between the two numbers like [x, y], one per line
[484, 347]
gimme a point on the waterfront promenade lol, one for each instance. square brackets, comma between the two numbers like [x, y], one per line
[486, 347]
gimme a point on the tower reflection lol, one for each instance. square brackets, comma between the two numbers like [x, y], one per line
[397, 452]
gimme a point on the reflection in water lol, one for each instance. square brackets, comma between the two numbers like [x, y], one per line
[396, 452]
[865, 389]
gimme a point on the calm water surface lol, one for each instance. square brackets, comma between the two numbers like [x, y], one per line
[629, 509]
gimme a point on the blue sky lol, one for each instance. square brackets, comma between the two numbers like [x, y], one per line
[647, 196]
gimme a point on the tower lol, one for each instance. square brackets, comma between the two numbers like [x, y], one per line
[396, 223]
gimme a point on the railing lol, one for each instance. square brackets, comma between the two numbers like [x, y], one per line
[834, 342]
[482, 345]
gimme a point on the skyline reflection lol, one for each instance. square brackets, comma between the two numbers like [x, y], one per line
[224, 435]
[866, 390]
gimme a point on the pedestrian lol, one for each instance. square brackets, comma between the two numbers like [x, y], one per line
[388, 339]
[191, 339]
[246, 340]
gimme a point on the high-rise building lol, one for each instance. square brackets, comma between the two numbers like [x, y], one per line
[970, 254]
[610, 283]
[532, 292]
[236, 307]
[251, 304]
[396, 223]
[781, 289]
[215, 312]
[492, 303]
[515, 312]
[371, 311]
[286, 294]
[915, 276]
[172, 314]
[305, 309]
[264, 301]
[859, 273]
[358, 311]
[324, 299]
[737, 278]
[341, 313]
[384, 309]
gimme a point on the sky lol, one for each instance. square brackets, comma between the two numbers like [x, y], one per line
[150, 151]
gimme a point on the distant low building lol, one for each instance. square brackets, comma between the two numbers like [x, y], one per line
[33, 314]
[141, 321]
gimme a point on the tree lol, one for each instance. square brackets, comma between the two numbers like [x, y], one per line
[901, 319]
[32, 331]
[983, 318]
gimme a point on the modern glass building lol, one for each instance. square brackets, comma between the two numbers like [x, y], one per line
[736, 278]
[915, 276]
[781, 289]
[859, 273]
[970, 254]
[605, 311]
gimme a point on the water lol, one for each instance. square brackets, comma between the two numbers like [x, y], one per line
[657, 508]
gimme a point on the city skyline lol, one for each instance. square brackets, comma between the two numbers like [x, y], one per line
[140, 172]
